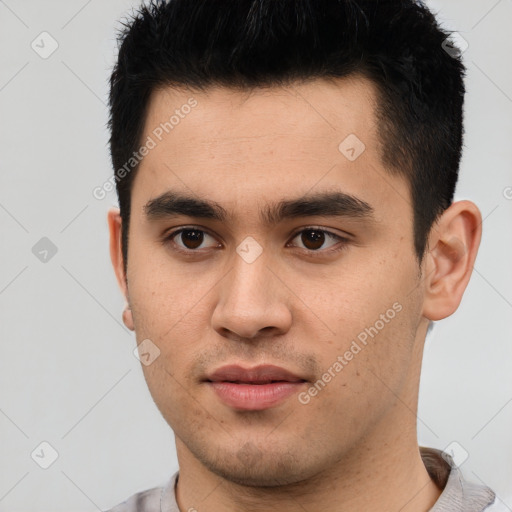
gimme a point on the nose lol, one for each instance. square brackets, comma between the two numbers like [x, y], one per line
[253, 301]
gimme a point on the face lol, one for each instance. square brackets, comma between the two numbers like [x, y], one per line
[284, 294]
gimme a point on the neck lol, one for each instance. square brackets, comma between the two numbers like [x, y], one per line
[380, 474]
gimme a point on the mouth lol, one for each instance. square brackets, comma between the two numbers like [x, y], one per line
[254, 389]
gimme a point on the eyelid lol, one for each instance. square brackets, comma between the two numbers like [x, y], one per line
[345, 237]
[168, 237]
[343, 240]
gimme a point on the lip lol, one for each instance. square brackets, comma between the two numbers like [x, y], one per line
[254, 389]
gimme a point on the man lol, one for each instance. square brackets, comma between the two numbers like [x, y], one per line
[286, 234]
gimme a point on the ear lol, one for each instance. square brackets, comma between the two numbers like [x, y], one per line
[116, 255]
[453, 246]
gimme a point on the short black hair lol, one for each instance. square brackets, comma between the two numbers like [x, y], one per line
[246, 44]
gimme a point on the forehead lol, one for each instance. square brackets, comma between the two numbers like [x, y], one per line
[239, 147]
[315, 110]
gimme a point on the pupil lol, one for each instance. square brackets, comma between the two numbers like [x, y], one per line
[315, 240]
[192, 238]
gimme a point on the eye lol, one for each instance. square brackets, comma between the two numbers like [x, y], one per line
[313, 238]
[190, 239]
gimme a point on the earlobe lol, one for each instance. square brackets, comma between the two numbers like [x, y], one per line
[453, 242]
[128, 318]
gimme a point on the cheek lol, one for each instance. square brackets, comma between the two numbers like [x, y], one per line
[175, 397]
[364, 372]
[166, 297]
[368, 323]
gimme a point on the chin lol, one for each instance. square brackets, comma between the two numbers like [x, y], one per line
[268, 477]
[250, 466]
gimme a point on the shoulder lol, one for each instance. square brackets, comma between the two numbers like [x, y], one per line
[459, 493]
[497, 506]
[144, 501]
[151, 500]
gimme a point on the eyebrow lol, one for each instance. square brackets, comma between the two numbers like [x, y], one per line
[335, 204]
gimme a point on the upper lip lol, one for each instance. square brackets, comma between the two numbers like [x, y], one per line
[256, 375]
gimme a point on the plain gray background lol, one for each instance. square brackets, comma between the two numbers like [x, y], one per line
[68, 376]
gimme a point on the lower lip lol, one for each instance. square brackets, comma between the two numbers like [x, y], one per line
[255, 397]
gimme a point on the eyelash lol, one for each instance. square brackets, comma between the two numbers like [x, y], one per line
[168, 239]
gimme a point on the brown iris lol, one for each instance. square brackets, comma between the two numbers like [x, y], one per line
[313, 239]
[192, 238]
